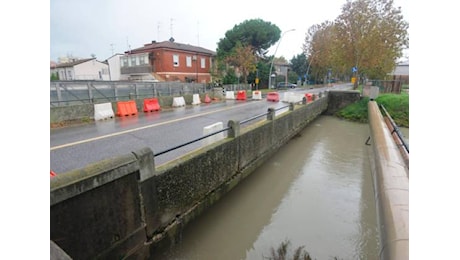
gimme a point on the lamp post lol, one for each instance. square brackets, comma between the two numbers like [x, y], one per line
[274, 55]
[309, 63]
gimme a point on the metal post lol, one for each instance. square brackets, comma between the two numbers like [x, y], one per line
[274, 54]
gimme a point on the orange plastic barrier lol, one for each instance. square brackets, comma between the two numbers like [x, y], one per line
[309, 97]
[273, 96]
[207, 99]
[126, 108]
[151, 104]
[241, 95]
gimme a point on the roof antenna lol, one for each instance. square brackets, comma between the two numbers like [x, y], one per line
[158, 31]
[171, 27]
[198, 32]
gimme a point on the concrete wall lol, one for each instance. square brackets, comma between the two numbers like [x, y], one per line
[126, 207]
[391, 186]
[338, 99]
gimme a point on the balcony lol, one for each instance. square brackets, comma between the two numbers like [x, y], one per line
[136, 69]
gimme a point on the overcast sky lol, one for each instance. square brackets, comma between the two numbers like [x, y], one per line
[81, 28]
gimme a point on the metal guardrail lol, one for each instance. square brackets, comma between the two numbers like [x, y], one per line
[217, 132]
[395, 129]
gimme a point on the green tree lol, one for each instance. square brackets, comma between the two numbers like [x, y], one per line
[245, 45]
[257, 33]
[230, 77]
[54, 76]
[299, 65]
[242, 58]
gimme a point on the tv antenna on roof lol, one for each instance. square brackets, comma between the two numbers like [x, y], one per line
[111, 47]
[198, 32]
[171, 27]
[129, 46]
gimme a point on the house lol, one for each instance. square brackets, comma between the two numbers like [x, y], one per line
[114, 67]
[401, 72]
[81, 69]
[168, 61]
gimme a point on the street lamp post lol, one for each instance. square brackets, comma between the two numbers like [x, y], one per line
[274, 55]
[309, 63]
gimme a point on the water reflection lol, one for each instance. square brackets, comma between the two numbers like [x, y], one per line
[315, 192]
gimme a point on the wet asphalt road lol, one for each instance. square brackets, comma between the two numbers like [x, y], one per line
[75, 147]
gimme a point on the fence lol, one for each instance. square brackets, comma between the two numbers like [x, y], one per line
[388, 86]
[65, 93]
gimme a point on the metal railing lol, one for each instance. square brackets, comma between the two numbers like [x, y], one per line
[217, 132]
[396, 129]
[64, 93]
[78, 92]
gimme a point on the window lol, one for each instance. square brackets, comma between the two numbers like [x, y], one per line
[176, 60]
[124, 62]
[189, 61]
[203, 63]
[69, 74]
[142, 60]
[133, 61]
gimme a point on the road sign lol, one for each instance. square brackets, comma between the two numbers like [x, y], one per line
[354, 69]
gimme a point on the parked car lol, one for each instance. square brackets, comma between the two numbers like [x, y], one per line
[283, 85]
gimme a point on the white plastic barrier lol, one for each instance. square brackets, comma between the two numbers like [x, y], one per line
[257, 95]
[230, 95]
[291, 97]
[178, 102]
[196, 99]
[211, 129]
[103, 111]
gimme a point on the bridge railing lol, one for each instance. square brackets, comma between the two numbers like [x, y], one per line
[221, 131]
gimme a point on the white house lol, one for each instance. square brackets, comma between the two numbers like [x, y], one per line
[114, 63]
[83, 69]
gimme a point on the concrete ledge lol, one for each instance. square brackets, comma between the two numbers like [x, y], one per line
[391, 184]
[73, 183]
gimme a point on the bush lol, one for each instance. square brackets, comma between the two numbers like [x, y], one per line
[397, 106]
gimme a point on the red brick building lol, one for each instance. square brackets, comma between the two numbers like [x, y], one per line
[168, 61]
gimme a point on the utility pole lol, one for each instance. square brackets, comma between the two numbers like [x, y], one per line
[274, 54]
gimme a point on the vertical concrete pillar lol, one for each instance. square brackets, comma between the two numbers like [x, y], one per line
[234, 129]
[271, 113]
[146, 161]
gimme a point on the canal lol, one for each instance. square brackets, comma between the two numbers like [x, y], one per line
[316, 192]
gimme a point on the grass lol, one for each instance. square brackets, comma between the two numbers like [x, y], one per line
[283, 252]
[397, 105]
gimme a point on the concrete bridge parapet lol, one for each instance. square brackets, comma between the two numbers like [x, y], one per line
[391, 185]
[125, 207]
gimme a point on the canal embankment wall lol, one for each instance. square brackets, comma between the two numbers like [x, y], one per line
[391, 187]
[126, 207]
